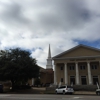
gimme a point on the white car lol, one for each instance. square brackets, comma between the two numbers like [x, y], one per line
[64, 89]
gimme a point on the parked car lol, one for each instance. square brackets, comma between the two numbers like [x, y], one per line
[65, 89]
[1, 88]
[98, 91]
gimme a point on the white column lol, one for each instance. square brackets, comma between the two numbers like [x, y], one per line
[89, 73]
[77, 74]
[66, 74]
[55, 81]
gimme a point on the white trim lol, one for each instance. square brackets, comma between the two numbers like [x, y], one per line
[97, 56]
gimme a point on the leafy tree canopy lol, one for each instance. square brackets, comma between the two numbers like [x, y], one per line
[17, 65]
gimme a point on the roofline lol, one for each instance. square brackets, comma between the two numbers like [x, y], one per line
[75, 48]
[97, 56]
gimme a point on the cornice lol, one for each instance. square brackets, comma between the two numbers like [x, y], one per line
[80, 57]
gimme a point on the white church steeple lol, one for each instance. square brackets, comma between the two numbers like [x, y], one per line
[49, 60]
[49, 53]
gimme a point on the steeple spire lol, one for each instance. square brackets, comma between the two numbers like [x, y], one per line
[49, 60]
[49, 53]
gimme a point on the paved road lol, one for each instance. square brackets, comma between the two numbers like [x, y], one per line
[47, 97]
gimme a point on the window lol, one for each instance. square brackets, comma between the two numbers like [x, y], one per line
[94, 66]
[72, 67]
[61, 79]
[82, 67]
[61, 67]
[83, 80]
[95, 80]
[72, 80]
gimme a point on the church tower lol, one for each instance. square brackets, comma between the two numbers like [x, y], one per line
[49, 60]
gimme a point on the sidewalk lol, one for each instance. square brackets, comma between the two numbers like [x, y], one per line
[43, 90]
[85, 92]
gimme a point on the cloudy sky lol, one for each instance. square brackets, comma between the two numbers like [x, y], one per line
[34, 24]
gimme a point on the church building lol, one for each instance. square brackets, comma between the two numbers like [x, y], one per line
[78, 66]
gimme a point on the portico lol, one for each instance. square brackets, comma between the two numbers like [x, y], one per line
[78, 66]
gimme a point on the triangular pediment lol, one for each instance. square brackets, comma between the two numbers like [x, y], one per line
[79, 51]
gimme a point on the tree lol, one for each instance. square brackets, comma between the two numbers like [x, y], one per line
[37, 81]
[17, 65]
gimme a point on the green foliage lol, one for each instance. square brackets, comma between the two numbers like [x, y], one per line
[17, 65]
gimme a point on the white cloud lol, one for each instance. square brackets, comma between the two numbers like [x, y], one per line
[34, 24]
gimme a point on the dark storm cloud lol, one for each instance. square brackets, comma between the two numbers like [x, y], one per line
[53, 14]
[12, 14]
[65, 15]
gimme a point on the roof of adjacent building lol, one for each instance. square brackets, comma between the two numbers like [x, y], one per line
[42, 69]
